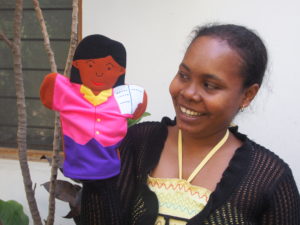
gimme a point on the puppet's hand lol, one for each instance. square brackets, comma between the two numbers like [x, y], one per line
[131, 99]
[141, 108]
[47, 90]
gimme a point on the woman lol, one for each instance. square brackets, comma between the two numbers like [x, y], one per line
[195, 169]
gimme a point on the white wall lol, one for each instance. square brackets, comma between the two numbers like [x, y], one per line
[155, 33]
[12, 188]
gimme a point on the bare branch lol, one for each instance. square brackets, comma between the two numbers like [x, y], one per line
[47, 45]
[22, 116]
[56, 141]
[34, 188]
[57, 133]
[6, 40]
[54, 167]
[57, 128]
[74, 38]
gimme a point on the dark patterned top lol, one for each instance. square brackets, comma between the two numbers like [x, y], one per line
[257, 188]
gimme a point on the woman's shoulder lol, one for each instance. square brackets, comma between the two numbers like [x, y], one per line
[261, 159]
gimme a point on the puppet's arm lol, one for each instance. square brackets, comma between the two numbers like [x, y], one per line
[47, 90]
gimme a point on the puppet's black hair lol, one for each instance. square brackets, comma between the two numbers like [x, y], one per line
[98, 46]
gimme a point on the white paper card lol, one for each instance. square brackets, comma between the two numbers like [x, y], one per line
[128, 97]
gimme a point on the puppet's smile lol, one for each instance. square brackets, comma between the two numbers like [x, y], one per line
[98, 83]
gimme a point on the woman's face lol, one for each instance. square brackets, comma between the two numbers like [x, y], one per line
[207, 91]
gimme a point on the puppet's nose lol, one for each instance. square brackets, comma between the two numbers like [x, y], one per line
[99, 74]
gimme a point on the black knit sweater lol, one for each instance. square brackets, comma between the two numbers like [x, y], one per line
[256, 188]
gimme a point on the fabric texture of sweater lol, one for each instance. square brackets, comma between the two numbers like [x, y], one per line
[257, 188]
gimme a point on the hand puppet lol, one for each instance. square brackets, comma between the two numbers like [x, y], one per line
[94, 105]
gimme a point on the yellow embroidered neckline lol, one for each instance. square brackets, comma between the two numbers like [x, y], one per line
[95, 99]
[177, 197]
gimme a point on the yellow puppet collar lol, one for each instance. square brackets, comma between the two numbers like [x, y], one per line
[95, 99]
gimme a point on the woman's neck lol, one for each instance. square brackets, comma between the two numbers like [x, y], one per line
[193, 143]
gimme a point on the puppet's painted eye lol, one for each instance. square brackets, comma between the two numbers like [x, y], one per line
[90, 63]
[109, 66]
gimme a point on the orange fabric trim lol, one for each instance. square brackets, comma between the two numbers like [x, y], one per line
[47, 90]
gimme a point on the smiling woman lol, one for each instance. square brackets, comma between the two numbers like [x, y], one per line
[208, 89]
[197, 169]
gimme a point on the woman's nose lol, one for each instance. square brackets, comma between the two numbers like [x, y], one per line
[192, 92]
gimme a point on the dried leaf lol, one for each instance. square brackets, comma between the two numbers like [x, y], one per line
[65, 191]
[75, 210]
[73, 213]
[49, 159]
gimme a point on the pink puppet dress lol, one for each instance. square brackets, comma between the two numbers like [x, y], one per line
[93, 109]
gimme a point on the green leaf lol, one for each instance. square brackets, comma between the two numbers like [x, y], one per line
[11, 213]
[131, 122]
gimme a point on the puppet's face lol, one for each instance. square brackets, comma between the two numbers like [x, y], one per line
[99, 74]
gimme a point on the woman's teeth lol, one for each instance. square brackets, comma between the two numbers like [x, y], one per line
[189, 112]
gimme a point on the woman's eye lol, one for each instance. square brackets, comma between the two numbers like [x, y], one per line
[90, 65]
[109, 68]
[210, 86]
[183, 75]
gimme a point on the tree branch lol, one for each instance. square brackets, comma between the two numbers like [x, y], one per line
[6, 40]
[54, 167]
[22, 116]
[57, 128]
[47, 46]
[74, 38]
[56, 140]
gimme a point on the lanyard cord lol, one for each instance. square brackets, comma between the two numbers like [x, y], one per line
[204, 161]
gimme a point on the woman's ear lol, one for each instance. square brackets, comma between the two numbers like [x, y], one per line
[249, 95]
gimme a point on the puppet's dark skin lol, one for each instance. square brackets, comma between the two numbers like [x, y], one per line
[99, 74]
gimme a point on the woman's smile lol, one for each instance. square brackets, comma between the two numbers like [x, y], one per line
[189, 112]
